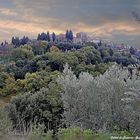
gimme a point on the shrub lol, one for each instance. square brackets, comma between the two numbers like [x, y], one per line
[106, 102]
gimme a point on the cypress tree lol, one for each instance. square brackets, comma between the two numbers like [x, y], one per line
[53, 37]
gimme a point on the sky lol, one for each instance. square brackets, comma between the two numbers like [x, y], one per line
[105, 19]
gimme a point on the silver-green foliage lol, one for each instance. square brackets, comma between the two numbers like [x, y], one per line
[5, 123]
[100, 102]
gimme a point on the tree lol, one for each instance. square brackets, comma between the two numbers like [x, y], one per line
[2, 44]
[35, 81]
[7, 84]
[15, 41]
[48, 37]
[21, 54]
[111, 52]
[100, 43]
[43, 46]
[67, 35]
[132, 51]
[24, 40]
[5, 123]
[98, 103]
[131, 101]
[56, 61]
[42, 107]
[105, 52]
[70, 35]
[91, 55]
[42, 36]
[38, 38]
[54, 49]
[53, 37]
[26, 47]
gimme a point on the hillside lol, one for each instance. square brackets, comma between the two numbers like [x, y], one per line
[61, 87]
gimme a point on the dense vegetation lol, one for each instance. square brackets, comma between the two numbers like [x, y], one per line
[63, 87]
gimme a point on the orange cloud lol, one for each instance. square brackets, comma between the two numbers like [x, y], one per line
[34, 25]
[108, 28]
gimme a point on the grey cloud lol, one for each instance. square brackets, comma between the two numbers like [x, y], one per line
[93, 12]
[68, 13]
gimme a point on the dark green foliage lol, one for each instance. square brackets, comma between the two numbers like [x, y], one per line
[132, 50]
[42, 107]
[53, 37]
[7, 84]
[21, 54]
[68, 46]
[24, 40]
[42, 36]
[32, 74]
[92, 55]
[80, 60]
[48, 37]
[21, 67]
[15, 41]
[69, 35]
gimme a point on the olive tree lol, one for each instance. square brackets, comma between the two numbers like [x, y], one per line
[97, 103]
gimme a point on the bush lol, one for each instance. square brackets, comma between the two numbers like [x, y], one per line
[40, 107]
[75, 134]
[5, 123]
[105, 102]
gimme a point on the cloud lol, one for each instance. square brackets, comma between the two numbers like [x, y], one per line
[33, 28]
[105, 19]
[7, 12]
